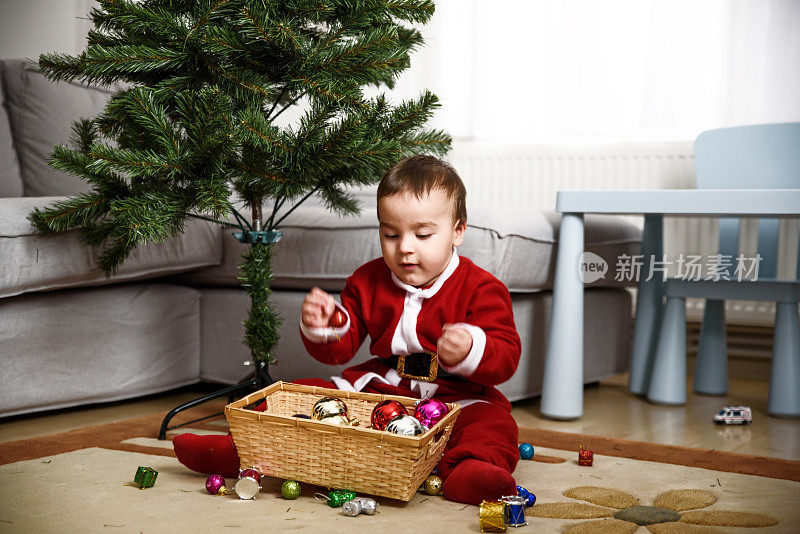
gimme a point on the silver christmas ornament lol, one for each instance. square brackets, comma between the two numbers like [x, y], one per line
[359, 505]
[405, 425]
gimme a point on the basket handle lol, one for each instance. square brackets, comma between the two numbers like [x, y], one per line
[434, 443]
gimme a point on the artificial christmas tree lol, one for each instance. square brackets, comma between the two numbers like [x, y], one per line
[194, 134]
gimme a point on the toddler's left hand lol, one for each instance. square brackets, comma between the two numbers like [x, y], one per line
[454, 345]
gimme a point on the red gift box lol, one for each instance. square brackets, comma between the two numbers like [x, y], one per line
[585, 456]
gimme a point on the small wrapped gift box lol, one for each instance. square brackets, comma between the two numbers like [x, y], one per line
[145, 477]
[492, 516]
[585, 456]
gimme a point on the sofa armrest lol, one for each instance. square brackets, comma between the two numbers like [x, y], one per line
[32, 262]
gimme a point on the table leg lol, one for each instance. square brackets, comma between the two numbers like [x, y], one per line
[562, 389]
[784, 384]
[668, 380]
[649, 307]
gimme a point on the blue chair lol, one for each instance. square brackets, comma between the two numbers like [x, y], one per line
[747, 157]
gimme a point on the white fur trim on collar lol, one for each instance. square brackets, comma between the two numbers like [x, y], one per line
[431, 291]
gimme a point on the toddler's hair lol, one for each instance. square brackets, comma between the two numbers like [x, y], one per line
[419, 174]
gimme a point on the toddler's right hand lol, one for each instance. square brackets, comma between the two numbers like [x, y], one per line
[317, 309]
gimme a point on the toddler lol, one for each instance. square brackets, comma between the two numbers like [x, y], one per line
[444, 323]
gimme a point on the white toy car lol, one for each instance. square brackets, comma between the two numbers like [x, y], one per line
[734, 415]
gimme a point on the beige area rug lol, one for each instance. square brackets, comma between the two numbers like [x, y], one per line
[88, 490]
[81, 481]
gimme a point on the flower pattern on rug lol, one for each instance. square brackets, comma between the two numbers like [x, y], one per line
[616, 511]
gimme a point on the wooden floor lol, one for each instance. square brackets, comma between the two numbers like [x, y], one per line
[609, 410]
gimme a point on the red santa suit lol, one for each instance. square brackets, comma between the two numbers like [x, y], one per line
[401, 319]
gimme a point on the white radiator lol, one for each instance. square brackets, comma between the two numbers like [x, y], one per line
[502, 175]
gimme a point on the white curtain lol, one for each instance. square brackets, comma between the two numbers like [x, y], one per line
[588, 71]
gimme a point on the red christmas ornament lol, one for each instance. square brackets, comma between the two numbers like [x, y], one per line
[338, 319]
[386, 411]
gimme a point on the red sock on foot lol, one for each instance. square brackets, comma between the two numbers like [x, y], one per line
[210, 455]
[473, 481]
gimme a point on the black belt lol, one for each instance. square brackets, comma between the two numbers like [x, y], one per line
[419, 366]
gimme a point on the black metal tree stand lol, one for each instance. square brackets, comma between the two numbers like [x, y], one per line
[258, 381]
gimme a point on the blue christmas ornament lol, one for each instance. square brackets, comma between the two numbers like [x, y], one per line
[530, 498]
[526, 451]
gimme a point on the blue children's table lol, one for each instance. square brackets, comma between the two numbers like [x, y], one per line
[562, 390]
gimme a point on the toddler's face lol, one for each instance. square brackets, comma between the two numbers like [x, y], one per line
[418, 235]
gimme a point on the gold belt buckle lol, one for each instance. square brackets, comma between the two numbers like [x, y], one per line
[433, 368]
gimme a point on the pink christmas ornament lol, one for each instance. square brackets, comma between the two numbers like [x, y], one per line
[215, 484]
[430, 411]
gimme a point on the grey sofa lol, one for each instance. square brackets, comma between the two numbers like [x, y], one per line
[173, 313]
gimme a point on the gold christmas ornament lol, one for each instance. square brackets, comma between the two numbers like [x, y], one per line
[328, 407]
[339, 420]
[433, 485]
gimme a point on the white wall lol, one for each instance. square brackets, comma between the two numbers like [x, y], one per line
[32, 27]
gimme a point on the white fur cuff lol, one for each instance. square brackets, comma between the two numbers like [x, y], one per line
[326, 334]
[468, 365]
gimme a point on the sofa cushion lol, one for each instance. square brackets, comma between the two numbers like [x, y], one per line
[42, 114]
[10, 179]
[69, 348]
[516, 244]
[32, 262]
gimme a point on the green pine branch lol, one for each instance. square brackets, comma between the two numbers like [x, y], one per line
[71, 214]
[146, 163]
[114, 62]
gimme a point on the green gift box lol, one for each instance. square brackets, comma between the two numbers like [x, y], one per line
[145, 477]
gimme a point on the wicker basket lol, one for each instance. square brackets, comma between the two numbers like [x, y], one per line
[356, 458]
